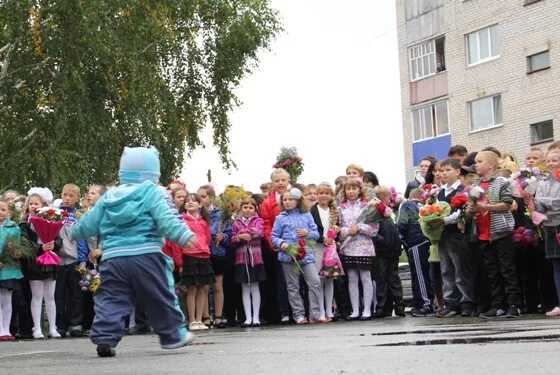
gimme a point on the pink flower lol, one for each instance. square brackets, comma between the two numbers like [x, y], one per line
[275, 165]
[298, 158]
[287, 162]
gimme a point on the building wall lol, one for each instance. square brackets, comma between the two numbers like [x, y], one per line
[526, 98]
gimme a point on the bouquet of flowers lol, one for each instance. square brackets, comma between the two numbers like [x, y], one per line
[332, 266]
[396, 198]
[524, 181]
[459, 202]
[48, 222]
[525, 236]
[289, 159]
[16, 249]
[475, 193]
[430, 193]
[431, 217]
[229, 204]
[374, 212]
[90, 279]
[298, 251]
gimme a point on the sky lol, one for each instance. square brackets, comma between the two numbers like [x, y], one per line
[329, 86]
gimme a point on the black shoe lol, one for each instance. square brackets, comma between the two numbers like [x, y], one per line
[467, 312]
[245, 325]
[512, 312]
[352, 318]
[256, 325]
[492, 313]
[447, 312]
[106, 351]
[76, 333]
[62, 332]
[399, 311]
[222, 324]
[284, 320]
[423, 312]
[379, 314]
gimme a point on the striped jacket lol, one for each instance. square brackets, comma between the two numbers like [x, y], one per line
[501, 223]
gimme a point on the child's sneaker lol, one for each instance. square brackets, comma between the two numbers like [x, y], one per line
[37, 334]
[53, 333]
[193, 326]
[106, 351]
[513, 312]
[492, 313]
[186, 341]
[554, 312]
[423, 312]
[447, 312]
[285, 319]
[202, 326]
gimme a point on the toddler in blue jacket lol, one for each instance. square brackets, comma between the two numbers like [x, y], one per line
[131, 222]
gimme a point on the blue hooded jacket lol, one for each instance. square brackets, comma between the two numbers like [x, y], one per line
[284, 230]
[216, 222]
[134, 218]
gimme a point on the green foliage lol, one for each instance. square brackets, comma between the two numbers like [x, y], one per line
[80, 79]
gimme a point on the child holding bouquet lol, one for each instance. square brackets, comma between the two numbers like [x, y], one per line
[357, 250]
[10, 269]
[42, 280]
[131, 221]
[547, 200]
[292, 227]
[246, 237]
[327, 262]
[494, 226]
[457, 276]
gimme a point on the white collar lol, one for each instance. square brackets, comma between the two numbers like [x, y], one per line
[455, 185]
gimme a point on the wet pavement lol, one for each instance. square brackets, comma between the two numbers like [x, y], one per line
[530, 345]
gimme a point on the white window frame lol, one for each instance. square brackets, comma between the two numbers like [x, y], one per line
[477, 35]
[494, 125]
[434, 121]
[420, 48]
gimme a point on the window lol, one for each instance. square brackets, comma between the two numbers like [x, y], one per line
[538, 61]
[486, 112]
[483, 45]
[430, 121]
[427, 58]
[422, 60]
[542, 132]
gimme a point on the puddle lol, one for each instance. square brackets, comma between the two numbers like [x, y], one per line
[473, 340]
[457, 330]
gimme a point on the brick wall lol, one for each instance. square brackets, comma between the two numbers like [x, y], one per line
[526, 98]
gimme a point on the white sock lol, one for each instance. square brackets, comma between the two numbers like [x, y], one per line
[50, 304]
[37, 290]
[256, 298]
[6, 302]
[367, 285]
[328, 286]
[246, 295]
[354, 292]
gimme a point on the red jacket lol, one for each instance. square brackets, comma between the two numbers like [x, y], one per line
[203, 235]
[269, 211]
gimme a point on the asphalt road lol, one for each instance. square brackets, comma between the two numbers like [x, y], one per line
[390, 346]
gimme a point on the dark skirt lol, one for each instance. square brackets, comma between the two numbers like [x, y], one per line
[356, 263]
[197, 271]
[552, 249]
[245, 274]
[219, 265]
[11, 284]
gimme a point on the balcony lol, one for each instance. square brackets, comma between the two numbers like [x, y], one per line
[428, 88]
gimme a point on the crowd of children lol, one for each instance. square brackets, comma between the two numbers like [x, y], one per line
[291, 253]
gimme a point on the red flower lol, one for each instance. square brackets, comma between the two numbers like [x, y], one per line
[557, 174]
[64, 214]
[427, 187]
[287, 162]
[381, 208]
[51, 212]
[459, 200]
[301, 253]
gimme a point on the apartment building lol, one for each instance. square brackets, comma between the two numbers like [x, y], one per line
[478, 73]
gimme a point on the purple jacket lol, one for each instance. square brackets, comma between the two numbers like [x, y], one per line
[248, 252]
